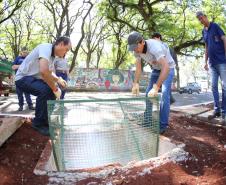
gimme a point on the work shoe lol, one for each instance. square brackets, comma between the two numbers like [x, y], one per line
[214, 115]
[31, 107]
[172, 100]
[20, 108]
[44, 130]
[162, 130]
[223, 119]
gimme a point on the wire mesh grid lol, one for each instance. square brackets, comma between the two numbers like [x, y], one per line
[93, 133]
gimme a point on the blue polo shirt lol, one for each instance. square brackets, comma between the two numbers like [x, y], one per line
[215, 45]
[18, 61]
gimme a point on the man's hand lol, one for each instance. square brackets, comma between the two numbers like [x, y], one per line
[154, 91]
[57, 93]
[15, 67]
[62, 82]
[135, 89]
[206, 67]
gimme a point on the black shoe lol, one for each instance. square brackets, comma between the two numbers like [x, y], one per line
[172, 101]
[44, 130]
[214, 115]
[31, 107]
[223, 119]
[162, 130]
[20, 108]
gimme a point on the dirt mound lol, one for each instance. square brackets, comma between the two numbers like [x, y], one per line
[206, 163]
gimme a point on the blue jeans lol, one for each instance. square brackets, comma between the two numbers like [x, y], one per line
[165, 97]
[64, 76]
[217, 71]
[20, 96]
[39, 88]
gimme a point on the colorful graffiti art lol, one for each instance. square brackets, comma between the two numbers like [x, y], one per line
[105, 80]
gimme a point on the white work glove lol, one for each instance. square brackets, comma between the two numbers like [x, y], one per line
[135, 89]
[62, 82]
[57, 93]
[154, 91]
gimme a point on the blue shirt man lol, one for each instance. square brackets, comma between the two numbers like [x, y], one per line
[18, 61]
[215, 45]
[215, 53]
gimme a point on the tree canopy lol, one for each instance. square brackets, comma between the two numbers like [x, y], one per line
[102, 26]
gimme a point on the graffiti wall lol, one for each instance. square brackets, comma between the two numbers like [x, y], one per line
[105, 80]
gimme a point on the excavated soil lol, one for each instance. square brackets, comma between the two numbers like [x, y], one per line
[205, 165]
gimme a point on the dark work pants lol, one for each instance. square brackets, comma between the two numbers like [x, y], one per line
[20, 93]
[39, 88]
[64, 76]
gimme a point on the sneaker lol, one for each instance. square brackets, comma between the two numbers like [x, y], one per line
[20, 108]
[214, 115]
[31, 107]
[44, 130]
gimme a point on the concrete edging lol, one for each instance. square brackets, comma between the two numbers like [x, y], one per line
[7, 127]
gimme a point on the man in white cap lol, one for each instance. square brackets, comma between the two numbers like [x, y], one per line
[158, 56]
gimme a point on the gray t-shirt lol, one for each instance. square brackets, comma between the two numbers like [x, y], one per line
[156, 50]
[30, 65]
[61, 64]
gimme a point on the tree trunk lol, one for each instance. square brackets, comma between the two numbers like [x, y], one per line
[88, 60]
[178, 76]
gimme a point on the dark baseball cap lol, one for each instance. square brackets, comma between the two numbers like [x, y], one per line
[133, 40]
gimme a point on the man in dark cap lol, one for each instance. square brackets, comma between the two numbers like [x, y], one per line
[158, 56]
[215, 53]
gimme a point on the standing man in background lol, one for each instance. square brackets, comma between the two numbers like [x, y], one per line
[18, 61]
[35, 76]
[62, 70]
[215, 52]
[158, 56]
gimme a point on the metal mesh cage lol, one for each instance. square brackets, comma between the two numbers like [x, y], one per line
[92, 133]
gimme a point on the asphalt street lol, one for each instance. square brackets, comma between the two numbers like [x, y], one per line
[10, 104]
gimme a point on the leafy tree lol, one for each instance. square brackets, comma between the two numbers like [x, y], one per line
[94, 37]
[174, 19]
[9, 8]
[66, 18]
[21, 30]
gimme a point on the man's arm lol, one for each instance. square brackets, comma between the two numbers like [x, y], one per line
[163, 75]
[206, 54]
[138, 71]
[206, 58]
[47, 75]
[223, 37]
[164, 71]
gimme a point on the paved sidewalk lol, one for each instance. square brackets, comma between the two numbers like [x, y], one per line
[200, 112]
